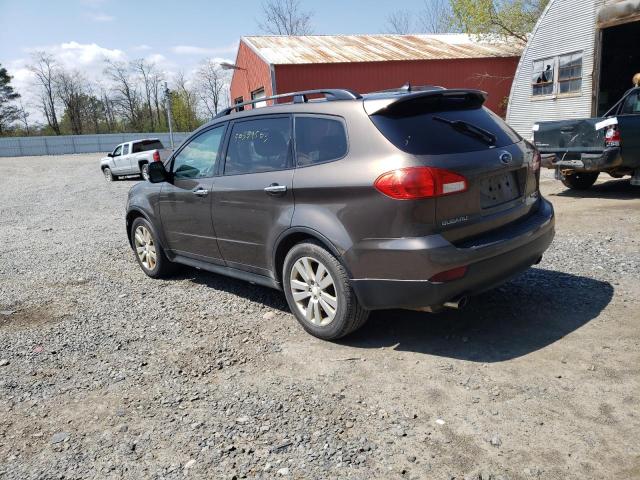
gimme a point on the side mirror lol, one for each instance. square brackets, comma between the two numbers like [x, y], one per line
[110, 154]
[157, 173]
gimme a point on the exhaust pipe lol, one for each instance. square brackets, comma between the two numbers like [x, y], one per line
[457, 303]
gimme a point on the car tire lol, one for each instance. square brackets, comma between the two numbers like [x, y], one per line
[108, 175]
[148, 251]
[144, 171]
[580, 180]
[319, 293]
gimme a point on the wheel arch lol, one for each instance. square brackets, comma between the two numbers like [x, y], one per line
[291, 237]
[131, 217]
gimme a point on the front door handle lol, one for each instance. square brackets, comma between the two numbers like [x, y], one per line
[201, 192]
[275, 189]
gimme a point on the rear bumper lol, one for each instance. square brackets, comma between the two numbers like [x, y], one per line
[588, 162]
[491, 260]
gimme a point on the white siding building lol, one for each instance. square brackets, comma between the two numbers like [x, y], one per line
[579, 61]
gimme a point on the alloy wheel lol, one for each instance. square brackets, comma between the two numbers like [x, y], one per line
[314, 291]
[145, 247]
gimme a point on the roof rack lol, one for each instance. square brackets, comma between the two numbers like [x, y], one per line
[298, 97]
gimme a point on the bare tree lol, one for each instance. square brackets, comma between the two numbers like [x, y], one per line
[211, 82]
[23, 117]
[436, 17]
[285, 17]
[70, 89]
[156, 89]
[146, 70]
[127, 96]
[45, 68]
[399, 22]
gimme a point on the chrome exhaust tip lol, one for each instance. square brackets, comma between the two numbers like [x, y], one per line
[457, 303]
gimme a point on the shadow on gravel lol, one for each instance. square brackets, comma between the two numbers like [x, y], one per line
[532, 311]
[613, 189]
[255, 293]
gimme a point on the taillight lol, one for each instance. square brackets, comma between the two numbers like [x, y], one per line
[449, 275]
[156, 156]
[612, 137]
[420, 182]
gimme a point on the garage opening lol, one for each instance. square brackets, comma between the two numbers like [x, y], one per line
[620, 61]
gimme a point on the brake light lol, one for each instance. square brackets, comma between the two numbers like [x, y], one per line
[612, 137]
[156, 156]
[420, 182]
[449, 275]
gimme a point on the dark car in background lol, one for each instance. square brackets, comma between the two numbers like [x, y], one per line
[579, 150]
[349, 203]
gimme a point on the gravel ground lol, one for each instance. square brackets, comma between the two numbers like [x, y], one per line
[105, 373]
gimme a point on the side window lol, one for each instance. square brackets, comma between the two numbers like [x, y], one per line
[319, 140]
[631, 104]
[542, 79]
[137, 147]
[260, 145]
[198, 159]
[125, 149]
[117, 151]
[570, 73]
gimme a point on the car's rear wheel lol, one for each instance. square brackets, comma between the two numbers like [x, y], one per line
[109, 177]
[580, 180]
[149, 253]
[319, 293]
[144, 171]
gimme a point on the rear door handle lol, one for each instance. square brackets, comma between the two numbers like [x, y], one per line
[274, 189]
[201, 192]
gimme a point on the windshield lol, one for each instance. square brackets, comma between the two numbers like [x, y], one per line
[442, 132]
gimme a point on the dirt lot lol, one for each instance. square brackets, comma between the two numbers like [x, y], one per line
[105, 373]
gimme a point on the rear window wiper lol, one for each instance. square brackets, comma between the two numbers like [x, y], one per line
[470, 129]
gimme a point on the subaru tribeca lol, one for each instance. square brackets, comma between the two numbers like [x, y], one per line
[411, 198]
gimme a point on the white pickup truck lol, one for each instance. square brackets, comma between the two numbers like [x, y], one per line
[133, 158]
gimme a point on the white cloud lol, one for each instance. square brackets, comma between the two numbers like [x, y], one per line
[100, 17]
[203, 51]
[141, 48]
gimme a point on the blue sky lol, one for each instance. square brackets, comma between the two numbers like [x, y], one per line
[176, 35]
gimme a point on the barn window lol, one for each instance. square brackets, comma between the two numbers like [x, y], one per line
[570, 73]
[543, 76]
[256, 95]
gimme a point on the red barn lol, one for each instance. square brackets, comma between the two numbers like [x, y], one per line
[269, 65]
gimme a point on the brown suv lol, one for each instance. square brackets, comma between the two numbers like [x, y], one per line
[349, 203]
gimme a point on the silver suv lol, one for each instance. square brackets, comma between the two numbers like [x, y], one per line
[349, 203]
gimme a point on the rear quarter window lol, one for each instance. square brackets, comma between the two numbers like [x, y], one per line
[415, 131]
[319, 140]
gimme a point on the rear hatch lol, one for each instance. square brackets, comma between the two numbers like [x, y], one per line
[569, 138]
[451, 130]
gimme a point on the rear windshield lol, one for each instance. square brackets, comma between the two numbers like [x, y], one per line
[425, 128]
[145, 145]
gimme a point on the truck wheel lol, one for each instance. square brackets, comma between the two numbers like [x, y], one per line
[580, 180]
[109, 177]
[319, 293]
[149, 253]
[144, 171]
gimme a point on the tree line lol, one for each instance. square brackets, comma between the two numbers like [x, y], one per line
[130, 97]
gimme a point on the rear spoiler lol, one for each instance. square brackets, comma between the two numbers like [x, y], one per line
[375, 106]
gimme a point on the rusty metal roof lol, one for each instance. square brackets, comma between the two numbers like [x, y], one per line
[287, 50]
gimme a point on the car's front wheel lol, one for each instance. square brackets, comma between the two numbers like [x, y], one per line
[149, 253]
[580, 180]
[319, 293]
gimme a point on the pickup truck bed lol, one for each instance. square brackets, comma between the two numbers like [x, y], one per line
[579, 150]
